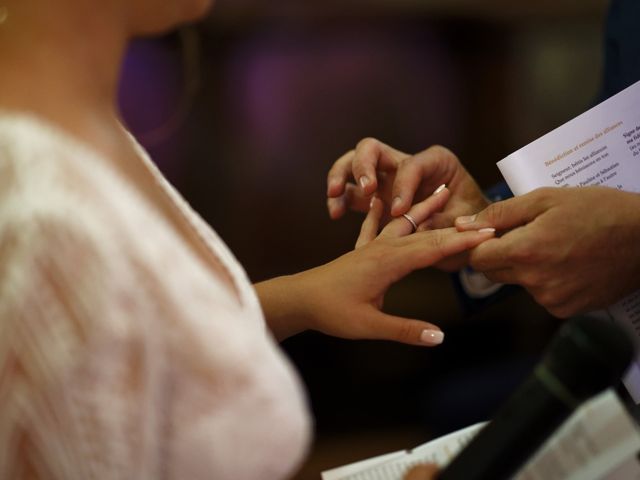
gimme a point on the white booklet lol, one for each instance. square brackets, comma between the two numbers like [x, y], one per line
[599, 147]
[600, 441]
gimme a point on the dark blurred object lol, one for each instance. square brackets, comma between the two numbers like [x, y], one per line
[622, 45]
[586, 356]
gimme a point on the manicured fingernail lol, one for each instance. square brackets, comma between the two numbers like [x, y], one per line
[396, 203]
[364, 181]
[467, 219]
[371, 202]
[440, 188]
[432, 337]
[487, 230]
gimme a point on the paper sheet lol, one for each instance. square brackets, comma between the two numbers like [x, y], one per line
[599, 442]
[599, 147]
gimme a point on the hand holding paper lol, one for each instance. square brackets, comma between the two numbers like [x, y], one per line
[573, 249]
[599, 147]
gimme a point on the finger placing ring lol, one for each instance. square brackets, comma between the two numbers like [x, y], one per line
[411, 221]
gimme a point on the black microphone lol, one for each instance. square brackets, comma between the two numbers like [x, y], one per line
[586, 356]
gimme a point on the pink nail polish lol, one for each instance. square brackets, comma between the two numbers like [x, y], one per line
[432, 337]
[440, 188]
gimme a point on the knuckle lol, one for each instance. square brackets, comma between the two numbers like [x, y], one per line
[340, 164]
[531, 280]
[404, 165]
[525, 254]
[439, 150]
[493, 213]
[546, 298]
[348, 157]
[334, 173]
[367, 143]
[544, 195]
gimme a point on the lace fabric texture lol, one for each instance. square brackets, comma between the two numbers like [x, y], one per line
[122, 354]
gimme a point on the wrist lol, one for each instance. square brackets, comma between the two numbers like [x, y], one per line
[282, 301]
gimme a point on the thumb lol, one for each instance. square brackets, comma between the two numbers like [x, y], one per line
[504, 215]
[382, 326]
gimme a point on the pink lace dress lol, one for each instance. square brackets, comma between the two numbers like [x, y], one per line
[125, 353]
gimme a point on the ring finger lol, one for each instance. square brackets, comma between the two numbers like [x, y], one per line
[419, 213]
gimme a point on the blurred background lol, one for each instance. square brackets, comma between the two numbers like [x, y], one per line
[246, 112]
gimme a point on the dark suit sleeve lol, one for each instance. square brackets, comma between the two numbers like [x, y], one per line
[621, 48]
